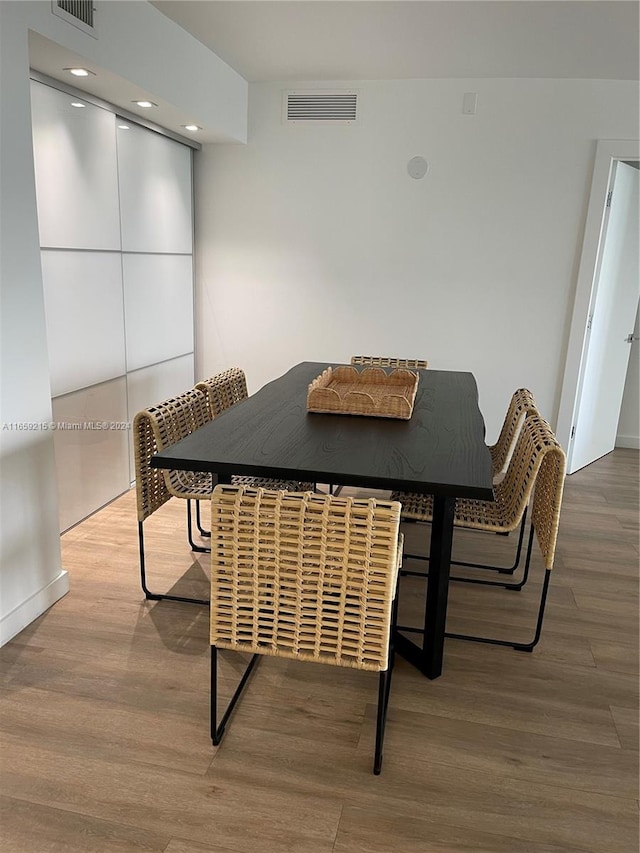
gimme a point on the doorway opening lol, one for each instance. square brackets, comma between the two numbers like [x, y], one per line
[605, 308]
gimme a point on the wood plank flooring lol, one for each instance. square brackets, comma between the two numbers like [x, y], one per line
[104, 710]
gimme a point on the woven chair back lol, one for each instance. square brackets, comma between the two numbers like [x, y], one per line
[303, 575]
[224, 389]
[156, 429]
[513, 493]
[381, 361]
[522, 404]
[151, 491]
[547, 498]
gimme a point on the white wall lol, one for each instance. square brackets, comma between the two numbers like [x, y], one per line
[315, 244]
[31, 577]
[138, 43]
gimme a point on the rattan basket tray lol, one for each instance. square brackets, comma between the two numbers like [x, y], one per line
[347, 391]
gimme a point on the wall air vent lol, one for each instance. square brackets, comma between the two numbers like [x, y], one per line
[80, 13]
[336, 107]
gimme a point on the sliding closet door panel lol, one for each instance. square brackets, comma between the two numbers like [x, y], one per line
[91, 449]
[116, 233]
[158, 300]
[155, 192]
[85, 318]
[76, 171]
[152, 385]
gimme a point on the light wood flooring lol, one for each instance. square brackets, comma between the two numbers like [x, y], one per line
[104, 711]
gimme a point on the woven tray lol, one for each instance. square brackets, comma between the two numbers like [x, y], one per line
[372, 392]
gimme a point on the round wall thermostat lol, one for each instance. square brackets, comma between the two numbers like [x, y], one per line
[417, 167]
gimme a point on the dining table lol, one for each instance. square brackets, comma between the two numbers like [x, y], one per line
[440, 451]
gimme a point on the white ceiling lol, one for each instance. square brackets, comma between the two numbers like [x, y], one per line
[335, 40]
[49, 58]
[361, 40]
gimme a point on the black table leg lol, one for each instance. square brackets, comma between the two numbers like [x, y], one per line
[428, 659]
[435, 613]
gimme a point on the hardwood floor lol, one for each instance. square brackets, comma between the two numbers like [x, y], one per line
[104, 710]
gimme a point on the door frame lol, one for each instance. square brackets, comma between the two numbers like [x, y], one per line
[608, 152]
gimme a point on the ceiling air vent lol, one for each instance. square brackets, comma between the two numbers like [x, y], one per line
[321, 107]
[80, 13]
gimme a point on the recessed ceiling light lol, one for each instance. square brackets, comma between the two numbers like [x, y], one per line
[123, 127]
[76, 104]
[79, 72]
[145, 104]
[193, 127]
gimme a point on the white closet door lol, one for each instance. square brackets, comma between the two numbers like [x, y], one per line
[155, 192]
[76, 172]
[158, 299]
[159, 382]
[154, 384]
[85, 318]
[92, 460]
[118, 322]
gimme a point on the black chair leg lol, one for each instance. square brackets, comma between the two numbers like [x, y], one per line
[204, 533]
[384, 689]
[529, 647]
[197, 548]
[503, 570]
[518, 585]
[516, 561]
[156, 596]
[521, 647]
[217, 731]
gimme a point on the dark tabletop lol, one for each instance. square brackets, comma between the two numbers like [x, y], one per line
[440, 450]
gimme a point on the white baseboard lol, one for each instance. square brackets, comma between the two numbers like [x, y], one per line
[632, 441]
[24, 614]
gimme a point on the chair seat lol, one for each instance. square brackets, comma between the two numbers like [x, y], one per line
[492, 516]
[414, 506]
[190, 485]
[267, 483]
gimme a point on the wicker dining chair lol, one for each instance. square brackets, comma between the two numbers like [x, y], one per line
[304, 576]
[224, 389]
[156, 429]
[536, 468]
[521, 405]
[382, 361]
